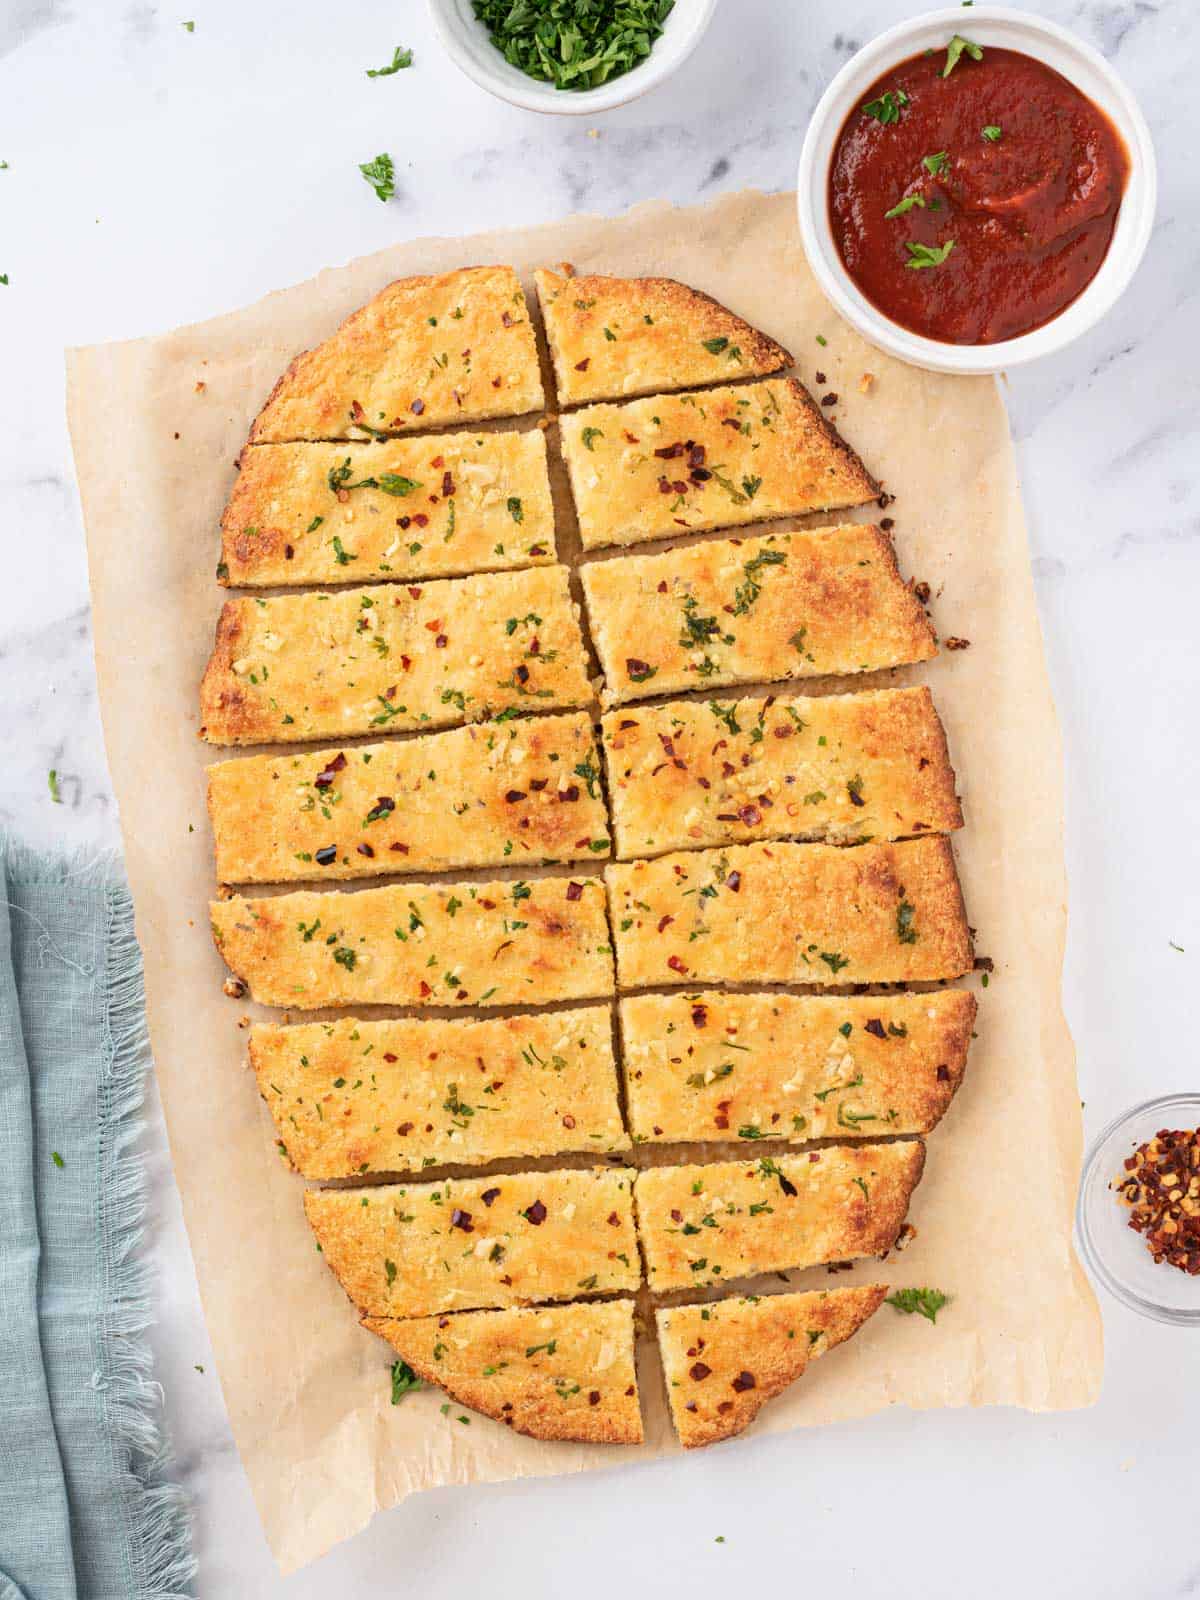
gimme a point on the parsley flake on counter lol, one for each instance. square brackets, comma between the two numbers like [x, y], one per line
[574, 44]
[52, 780]
[401, 58]
[927, 1301]
[57, 1159]
[404, 1380]
[381, 175]
[189, 27]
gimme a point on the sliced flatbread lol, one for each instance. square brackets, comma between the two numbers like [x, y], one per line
[398, 509]
[552, 1372]
[792, 605]
[791, 913]
[613, 337]
[838, 768]
[420, 944]
[732, 1219]
[685, 463]
[487, 795]
[394, 657]
[725, 1360]
[424, 352]
[719, 1065]
[413, 1250]
[350, 1097]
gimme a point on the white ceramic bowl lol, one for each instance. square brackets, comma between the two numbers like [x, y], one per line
[470, 48]
[1077, 62]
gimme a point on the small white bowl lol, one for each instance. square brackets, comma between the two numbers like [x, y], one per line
[471, 49]
[998, 26]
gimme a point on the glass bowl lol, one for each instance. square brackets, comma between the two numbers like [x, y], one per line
[1112, 1251]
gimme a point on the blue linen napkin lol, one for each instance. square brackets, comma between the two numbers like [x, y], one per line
[85, 1510]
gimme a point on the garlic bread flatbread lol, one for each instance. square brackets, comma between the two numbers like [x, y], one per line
[686, 463]
[614, 337]
[487, 795]
[552, 1372]
[425, 352]
[420, 944]
[724, 1361]
[717, 1065]
[413, 1250]
[836, 768]
[350, 1097]
[394, 657]
[791, 913]
[701, 1225]
[396, 509]
[729, 611]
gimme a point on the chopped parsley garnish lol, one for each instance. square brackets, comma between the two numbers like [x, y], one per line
[927, 1301]
[747, 593]
[400, 58]
[381, 175]
[923, 255]
[954, 52]
[515, 509]
[404, 1380]
[905, 931]
[715, 346]
[393, 483]
[901, 206]
[590, 435]
[574, 44]
[887, 108]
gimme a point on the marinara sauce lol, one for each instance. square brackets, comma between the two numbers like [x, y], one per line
[974, 204]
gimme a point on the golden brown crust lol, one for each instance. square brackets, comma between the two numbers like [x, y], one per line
[834, 769]
[676, 464]
[416, 1250]
[350, 1097]
[420, 944]
[656, 338]
[713, 1224]
[724, 1361]
[488, 795]
[554, 1372]
[426, 351]
[386, 511]
[791, 913]
[828, 601]
[708, 1065]
[393, 657]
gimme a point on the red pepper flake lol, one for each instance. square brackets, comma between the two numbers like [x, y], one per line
[325, 777]
[389, 1057]
[401, 849]
[426, 991]
[734, 882]
[489, 1195]
[461, 1219]
[594, 1397]
[403, 523]
[699, 1371]
[582, 366]
[1161, 1187]
[537, 549]
[631, 438]
[700, 1016]
[403, 1128]
[876, 1027]
[676, 1215]
[569, 795]
[613, 1220]
[675, 964]
[421, 520]
[664, 922]
[943, 1074]
[288, 552]
[744, 1381]
[669, 452]
[417, 407]
[438, 462]
[495, 383]
[574, 891]
[536, 1213]
[751, 816]
[522, 673]
[416, 595]
[568, 1122]
[366, 850]
[513, 796]
[887, 524]
[447, 484]
[830, 399]
[956, 644]
[664, 486]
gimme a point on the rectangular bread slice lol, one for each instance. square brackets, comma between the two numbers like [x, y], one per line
[398, 508]
[611, 338]
[701, 1225]
[672, 464]
[791, 913]
[425, 352]
[414, 1250]
[394, 657]
[552, 1372]
[790, 605]
[487, 795]
[421, 944]
[720, 1065]
[837, 768]
[723, 1361]
[350, 1096]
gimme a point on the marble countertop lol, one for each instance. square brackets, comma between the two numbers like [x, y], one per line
[157, 176]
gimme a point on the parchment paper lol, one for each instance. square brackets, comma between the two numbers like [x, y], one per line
[307, 1389]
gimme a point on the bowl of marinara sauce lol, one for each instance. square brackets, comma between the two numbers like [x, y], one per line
[976, 189]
